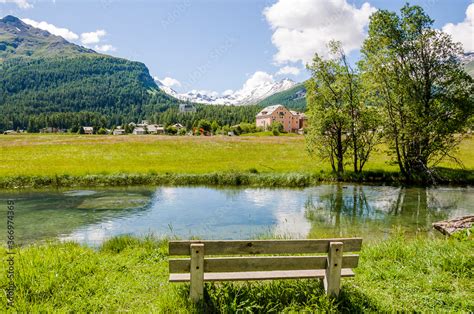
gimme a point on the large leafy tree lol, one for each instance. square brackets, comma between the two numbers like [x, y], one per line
[419, 83]
[341, 122]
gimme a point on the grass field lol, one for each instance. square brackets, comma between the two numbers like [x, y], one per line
[80, 155]
[130, 275]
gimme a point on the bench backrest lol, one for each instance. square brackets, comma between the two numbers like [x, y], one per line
[259, 247]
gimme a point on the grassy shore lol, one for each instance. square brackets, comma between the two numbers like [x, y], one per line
[128, 274]
[65, 160]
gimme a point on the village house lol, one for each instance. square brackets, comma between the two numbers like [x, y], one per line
[88, 130]
[119, 131]
[145, 128]
[178, 126]
[52, 130]
[139, 130]
[292, 121]
[155, 129]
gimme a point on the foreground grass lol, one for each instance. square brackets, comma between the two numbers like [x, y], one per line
[65, 160]
[128, 274]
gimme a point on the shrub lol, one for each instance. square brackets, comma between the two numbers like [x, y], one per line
[171, 130]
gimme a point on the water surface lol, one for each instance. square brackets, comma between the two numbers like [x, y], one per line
[93, 215]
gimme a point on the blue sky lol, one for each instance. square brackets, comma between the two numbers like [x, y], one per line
[219, 45]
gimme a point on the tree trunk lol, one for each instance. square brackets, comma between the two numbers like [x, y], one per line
[333, 165]
[399, 158]
[340, 154]
[354, 140]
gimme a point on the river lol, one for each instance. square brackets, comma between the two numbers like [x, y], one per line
[90, 216]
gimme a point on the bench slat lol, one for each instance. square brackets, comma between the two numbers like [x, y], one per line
[260, 275]
[263, 263]
[231, 247]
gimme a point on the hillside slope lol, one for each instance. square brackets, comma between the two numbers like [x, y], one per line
[293, 98]
[18, 39]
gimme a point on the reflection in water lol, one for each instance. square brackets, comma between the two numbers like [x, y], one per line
[91, 216]
[209, 213]
[358, 210]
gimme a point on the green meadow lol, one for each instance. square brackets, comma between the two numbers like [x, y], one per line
[131, 275]
[76, 156]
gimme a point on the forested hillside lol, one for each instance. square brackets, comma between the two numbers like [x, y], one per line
[83, 84]
[293, 98]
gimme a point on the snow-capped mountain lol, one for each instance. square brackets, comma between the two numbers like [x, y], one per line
[467, 57]
[167, 89]
[245, 96]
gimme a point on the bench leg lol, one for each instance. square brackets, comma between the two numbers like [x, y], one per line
[332, 280]
[196, 292]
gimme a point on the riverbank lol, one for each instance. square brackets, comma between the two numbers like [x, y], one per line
[128, 274]
[35, 160]
[250, 179]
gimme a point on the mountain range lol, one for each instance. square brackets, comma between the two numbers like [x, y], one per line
[244, 96]
[24, 48]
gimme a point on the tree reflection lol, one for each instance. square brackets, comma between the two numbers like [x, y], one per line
[361, 210]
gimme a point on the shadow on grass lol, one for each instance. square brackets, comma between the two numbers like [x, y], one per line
[352, 300]
[276, 296]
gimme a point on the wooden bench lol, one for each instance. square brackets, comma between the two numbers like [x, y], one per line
[197, 267]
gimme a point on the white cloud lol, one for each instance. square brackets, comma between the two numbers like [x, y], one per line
[259, 78]
[22, 4]
[288, 70]
[104, 48]
[92, 37]
[58, 31]
[227, 92]
[86, 38]
[170, 82]
[463, 32]
[304, 27]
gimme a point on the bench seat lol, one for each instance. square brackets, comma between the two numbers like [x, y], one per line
[261, 275]
[198, 261]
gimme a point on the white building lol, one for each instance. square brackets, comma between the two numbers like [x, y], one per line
[139, 130]
[119, 131]
[88, 130]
